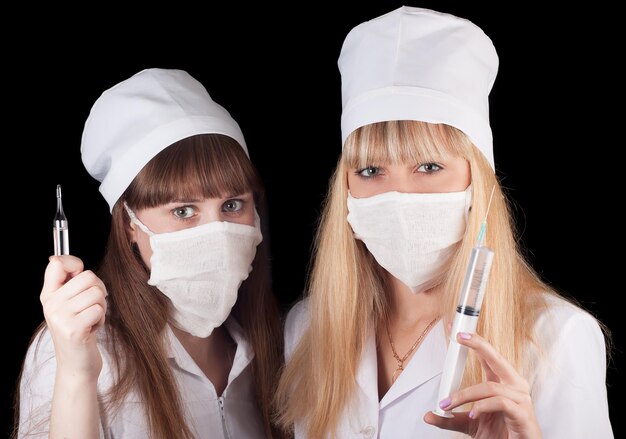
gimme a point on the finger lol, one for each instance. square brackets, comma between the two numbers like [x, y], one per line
[92, 317]
[519, 418]
[490, 375]
[498, 404]
[91, 296]
[492, 358]
[486, 390]
[79, 283]
[79, 326]
[460, 422]
[58, 271]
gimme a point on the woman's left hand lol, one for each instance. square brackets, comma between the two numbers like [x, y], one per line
[502, 407]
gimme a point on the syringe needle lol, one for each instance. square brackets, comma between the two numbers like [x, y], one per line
[483, 226]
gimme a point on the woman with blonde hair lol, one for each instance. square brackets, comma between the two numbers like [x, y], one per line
[366, 347]
[178, 334]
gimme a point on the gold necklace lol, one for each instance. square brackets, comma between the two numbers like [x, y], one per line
[401, 361]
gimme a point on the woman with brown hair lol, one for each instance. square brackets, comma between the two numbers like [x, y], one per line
[177, 336]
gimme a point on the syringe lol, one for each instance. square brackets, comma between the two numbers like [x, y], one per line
[59, 228]
[466, 317]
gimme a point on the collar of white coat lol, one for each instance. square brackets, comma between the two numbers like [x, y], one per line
[243, 356]
[426, 364]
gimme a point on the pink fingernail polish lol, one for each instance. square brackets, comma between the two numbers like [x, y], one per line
[465, 335]
[445, 403]
[471, 414]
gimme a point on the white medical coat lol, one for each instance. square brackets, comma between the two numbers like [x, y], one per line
[234, 415]
[568, 390]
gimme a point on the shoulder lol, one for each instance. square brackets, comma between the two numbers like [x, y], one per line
[36, 384]
[40, 364]
[39, 356]
[561, 318]
[569, 372]
[296, 323]
[570, 342]
[298, 315]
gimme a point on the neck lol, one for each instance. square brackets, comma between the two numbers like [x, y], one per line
[214, 354]
[409, 319]
[406, 309]
[197, 346]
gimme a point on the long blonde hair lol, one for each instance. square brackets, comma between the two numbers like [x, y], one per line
[199, 166]
[345, 289]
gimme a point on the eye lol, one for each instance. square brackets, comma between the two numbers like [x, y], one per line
[429, 168]
[183, 212]
[369, 172]
[233, 205]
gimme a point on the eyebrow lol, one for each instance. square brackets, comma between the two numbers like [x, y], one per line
[242, 194]
[197, 200]
[185, 200]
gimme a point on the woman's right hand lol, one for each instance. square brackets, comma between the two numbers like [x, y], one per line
[74, 306]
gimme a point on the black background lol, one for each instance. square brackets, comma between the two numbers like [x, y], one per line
[274, 68]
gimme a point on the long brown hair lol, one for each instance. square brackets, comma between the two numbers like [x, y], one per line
[208, 165]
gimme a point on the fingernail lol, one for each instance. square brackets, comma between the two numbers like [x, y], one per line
[465, 335]
[445, 403]
[471, 414]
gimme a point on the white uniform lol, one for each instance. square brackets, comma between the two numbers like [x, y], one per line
[234, 415]
[568, 391]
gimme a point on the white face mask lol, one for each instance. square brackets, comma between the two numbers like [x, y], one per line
[412, 236]
[201, 269]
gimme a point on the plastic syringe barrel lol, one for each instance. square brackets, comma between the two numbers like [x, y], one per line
[465, 320]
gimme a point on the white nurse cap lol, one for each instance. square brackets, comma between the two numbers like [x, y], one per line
[136, 119]
[418, 64]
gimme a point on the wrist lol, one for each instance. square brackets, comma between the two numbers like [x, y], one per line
[75, 381]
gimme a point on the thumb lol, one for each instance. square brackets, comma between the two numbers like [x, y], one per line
[460, 421]
[59, 270]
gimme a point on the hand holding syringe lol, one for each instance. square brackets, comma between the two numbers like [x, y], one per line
[466, 317]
